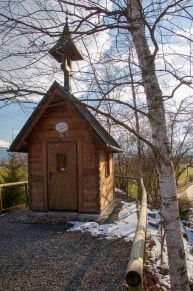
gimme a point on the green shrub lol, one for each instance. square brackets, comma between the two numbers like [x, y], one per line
[14, 172]
[184, 208]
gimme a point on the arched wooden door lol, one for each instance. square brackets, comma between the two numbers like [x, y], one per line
[62, 176]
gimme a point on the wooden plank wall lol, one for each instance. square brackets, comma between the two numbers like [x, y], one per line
[36, 177]
[44, 132]
[90, 177]
[106, 182]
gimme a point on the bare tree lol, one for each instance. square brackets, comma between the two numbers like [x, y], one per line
[153, 30]
[180, 133]
[164, 164]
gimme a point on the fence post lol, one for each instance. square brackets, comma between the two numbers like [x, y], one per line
[26, 192]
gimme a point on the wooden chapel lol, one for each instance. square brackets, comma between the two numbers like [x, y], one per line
[70, 154]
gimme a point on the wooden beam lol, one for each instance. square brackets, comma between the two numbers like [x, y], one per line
[134, 273]
[13, 184]
[127, 177]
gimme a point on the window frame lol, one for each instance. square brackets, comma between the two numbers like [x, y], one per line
[107, 164]
[61, 162]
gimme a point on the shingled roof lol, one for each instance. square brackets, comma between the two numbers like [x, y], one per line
[65, 46]
[105, 137]
[100, 132]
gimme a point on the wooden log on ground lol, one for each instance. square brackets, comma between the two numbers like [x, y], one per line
[134, 273]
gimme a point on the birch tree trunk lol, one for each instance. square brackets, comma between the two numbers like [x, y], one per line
[170, 213]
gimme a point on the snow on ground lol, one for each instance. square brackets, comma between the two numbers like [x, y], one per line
[153, 219]
[157, 260]
[125, 226]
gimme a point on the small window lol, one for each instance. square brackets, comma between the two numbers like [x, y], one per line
[107, 164]
[61, 159]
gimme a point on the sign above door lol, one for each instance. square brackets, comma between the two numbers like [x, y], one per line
[61, 127]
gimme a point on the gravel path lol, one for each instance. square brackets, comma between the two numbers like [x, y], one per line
[46, 257]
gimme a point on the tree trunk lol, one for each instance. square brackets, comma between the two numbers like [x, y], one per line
[170, 213]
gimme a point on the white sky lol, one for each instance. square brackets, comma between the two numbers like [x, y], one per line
[4, 143]
[10, 123]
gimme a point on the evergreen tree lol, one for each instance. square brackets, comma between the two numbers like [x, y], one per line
[14, 172]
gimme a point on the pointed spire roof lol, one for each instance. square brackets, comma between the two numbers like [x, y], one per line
[65, 46]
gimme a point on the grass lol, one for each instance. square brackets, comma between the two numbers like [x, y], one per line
[185, 179]
[185, 176]
[133, 188]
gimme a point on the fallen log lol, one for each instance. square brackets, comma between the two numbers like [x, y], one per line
[134, 273]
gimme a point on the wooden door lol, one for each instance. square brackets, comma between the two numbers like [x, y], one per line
[62, 176]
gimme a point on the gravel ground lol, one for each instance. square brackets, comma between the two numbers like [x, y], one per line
[47, 257]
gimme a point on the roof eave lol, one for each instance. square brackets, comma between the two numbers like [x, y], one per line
[114, 149]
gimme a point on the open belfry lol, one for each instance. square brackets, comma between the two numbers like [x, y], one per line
[65, 51]
[70, 154]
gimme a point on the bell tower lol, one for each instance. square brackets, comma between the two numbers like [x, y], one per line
[65, 51]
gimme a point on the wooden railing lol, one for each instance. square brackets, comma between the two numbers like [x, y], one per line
[25, 183]
[134, 273]
[122, 182]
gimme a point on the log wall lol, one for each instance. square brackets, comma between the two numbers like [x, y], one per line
[106, 180]
[87, 152]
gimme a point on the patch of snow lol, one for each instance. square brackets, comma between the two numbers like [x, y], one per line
[125, 227]
[156, 263]
[189, 258]
[119, 191]
[189, 232]
[155, 234]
